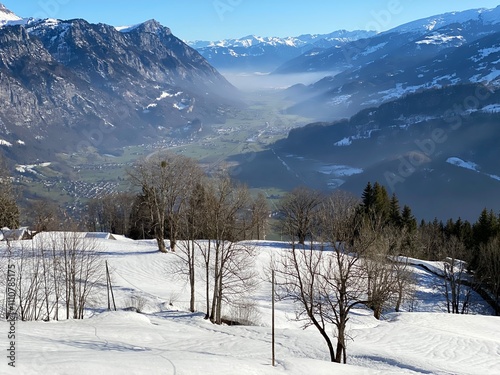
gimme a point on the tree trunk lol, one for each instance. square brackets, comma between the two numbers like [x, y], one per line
[207, 283]
[341, 352]
[219, 301]
[160, 240]
[216, 289]
[399, 301]
[191, 278]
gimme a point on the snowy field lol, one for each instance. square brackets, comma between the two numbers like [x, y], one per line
[166, 339]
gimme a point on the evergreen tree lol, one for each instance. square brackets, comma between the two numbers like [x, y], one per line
[376, 203]
[485, 228]
[368, 198]
[382, 202]
[408, 220]
[395, 212]
[483, 231]
[9, 211]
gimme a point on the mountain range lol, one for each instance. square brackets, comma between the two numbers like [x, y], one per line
[70, 85]
[415, 108]
[436, 149]
[443, 50]
[264, 54]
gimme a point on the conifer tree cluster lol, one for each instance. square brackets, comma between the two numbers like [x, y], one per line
[377, 205]
[9, 210]
[476, 244]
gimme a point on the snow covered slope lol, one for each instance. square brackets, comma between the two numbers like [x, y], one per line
[8, 17]
[167, 340]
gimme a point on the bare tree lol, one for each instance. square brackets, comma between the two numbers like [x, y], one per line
[83, 270]
[193, 227]
[489, 269]
[405, 282]
[388, 276]
[165, 180]
[53, 270]
[232, 261]
[110, 213]
[44, 216]
[260, 217]
[325, 276]
[456, 291]
[298, 209]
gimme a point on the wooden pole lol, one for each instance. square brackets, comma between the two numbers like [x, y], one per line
[108, 277]
[107, 286]
[272, 324]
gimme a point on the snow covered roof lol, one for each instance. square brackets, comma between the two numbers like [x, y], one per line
[100, 235]
[19, 234]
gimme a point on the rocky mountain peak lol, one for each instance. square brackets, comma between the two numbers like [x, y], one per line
[61, 79]
[7, 16]
[153, 26]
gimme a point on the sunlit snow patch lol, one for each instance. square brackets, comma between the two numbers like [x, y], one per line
[463, 164]
[492, 108]
[339, 170]
[343, 142]
[495, 177]
[30, 168]
[485, 52]
[438, 39]
[471, 166]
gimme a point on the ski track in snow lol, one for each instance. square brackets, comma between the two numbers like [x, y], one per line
[168, 340]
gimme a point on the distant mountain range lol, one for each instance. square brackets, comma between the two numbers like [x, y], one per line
[66, 86]
[434, 52]
[264, 54]
[437, 149]
[416, 108]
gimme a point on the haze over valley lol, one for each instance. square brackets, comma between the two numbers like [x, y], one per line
[344, 184]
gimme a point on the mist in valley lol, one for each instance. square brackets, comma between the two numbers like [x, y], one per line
[258, 81]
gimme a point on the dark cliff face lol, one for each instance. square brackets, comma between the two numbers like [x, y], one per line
[67, 85]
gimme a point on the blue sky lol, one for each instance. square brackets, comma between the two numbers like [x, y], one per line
[220, 19]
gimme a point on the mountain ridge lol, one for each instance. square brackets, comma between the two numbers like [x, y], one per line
[256, 53]
[420, 146]
[61, 79]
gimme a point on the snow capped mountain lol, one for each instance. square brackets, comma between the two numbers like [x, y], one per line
[256, 53]
[415, 40]
[8, 17]
[449, 49]
[485, 16]
[300, 41]
[60, 78]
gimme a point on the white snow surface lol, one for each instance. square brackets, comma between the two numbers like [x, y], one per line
[30, 168]
[166, 339]
[463, 164]
[339, 170]
[485, 52]
[492, 108]
[487, 16]
[437, 38]
[471, 166]
[7, 17]
[126, 29]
